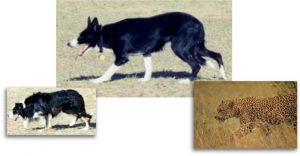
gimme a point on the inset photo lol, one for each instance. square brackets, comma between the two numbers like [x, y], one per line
[51, 111]
[245, 114]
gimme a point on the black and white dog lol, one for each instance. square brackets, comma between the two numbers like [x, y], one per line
[148, 35]
[49, 105]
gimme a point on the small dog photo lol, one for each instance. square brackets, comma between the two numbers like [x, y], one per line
[245, 114]
[51, 111]
[143, 48]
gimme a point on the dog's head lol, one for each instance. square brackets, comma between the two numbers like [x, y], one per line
[17, 110]
[88, 38]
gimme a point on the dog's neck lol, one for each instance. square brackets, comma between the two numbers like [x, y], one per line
[100, 42]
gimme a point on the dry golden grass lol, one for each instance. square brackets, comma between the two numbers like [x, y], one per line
[209, 133]
[60, 123]
[167, 68]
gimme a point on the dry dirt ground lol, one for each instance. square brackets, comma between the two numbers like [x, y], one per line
[167, 68]
[60, 123]
[209, 133]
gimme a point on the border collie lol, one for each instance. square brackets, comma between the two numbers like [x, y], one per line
[145, 36]
[49, 105]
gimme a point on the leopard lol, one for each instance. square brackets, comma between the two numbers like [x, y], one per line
[260, 113]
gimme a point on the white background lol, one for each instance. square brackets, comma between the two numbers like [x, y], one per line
[266, 46]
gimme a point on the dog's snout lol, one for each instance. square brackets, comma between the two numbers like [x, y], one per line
[9, 114]
[73, 43]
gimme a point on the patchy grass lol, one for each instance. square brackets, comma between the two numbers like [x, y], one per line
[167, 68]
[60, 123]
[209, 133]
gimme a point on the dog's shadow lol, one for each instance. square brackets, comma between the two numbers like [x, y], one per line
[156, 74]
[61, 127]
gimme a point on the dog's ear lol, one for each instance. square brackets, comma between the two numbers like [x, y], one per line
[95, 24]
[89, 21]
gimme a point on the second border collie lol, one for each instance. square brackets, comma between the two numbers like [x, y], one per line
[49, 105]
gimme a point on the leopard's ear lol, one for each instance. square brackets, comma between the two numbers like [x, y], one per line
[231, 104]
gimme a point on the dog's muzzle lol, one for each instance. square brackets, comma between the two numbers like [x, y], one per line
[73, 43]
[12, 116]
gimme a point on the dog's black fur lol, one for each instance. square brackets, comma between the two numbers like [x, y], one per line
[149, 35]
[67, 101]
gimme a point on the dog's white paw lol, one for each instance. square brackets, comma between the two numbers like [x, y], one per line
[144, 79]
[86, 128]
[184, 81]
[97, 81]
[72, 123]
[222, 72]
[224, 77]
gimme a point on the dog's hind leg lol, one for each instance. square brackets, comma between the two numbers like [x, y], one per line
[86, 121]
[148, 68]
[195, 70]
[85, 118]
[72, 123]
[188, 58]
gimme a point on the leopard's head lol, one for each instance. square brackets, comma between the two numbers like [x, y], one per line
[227, 109]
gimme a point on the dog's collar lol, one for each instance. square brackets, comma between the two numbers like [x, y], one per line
[100, 42]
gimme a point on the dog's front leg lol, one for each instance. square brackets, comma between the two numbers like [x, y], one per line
[48, 122]
[148, 68]
[25, 123]
[107, 75]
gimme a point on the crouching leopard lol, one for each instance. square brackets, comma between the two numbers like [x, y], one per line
[259, 113]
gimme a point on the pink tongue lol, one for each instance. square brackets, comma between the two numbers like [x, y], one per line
[82, 49]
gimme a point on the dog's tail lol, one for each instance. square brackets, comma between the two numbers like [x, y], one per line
[85, 115]
[88, 115]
